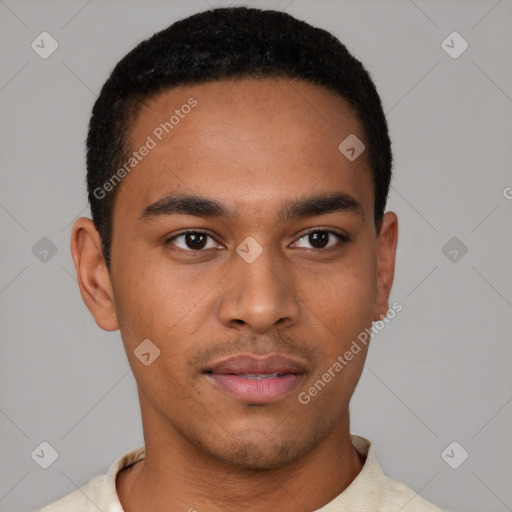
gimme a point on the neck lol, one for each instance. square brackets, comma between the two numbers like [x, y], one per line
[177, 476]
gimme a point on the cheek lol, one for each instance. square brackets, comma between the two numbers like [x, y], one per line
[341, 313]
[343, 298]
[152, 306]
[159, 302]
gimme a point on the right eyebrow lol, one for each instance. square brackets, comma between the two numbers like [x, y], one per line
[185, 205]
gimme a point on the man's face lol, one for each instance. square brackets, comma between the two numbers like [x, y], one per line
[255, 147]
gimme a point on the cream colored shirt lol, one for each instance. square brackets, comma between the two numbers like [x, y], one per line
[370, 491]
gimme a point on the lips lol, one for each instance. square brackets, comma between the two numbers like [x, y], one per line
[256, 379]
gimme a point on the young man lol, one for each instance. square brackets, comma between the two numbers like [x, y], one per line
[238, 170]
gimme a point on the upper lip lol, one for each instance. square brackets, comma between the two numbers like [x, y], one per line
[255, 364]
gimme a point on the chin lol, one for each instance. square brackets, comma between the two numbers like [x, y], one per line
[255, 457]
[256, 452]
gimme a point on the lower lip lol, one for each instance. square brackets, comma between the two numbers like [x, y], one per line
[257, 391]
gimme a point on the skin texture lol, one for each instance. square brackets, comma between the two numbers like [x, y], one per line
[252, 145]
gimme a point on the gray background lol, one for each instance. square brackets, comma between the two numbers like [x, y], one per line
[439, 372]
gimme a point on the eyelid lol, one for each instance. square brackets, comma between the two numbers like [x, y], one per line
[190, 230]
[343, 235]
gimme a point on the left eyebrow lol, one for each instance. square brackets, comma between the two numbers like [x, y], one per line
[322, 204]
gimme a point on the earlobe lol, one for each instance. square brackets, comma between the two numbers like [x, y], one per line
[92, 275]
[386, 255]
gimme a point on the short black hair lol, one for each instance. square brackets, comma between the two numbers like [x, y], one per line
[221, 44]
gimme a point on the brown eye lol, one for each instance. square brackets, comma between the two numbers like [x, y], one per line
[318, 239]
[192, 241]
[195, 240]
[321, 239]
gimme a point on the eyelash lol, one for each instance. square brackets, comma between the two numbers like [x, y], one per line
[342, 239]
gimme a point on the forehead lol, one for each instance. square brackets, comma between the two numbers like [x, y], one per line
[247, 142]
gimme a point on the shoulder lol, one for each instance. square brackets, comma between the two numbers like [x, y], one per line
[99, 493]
[82, 499]
[374, 490]
[398, 496]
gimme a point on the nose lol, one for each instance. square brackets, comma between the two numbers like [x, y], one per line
[260, 294]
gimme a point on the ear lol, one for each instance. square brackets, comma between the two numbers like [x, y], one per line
[92, 274]
[386, 254]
